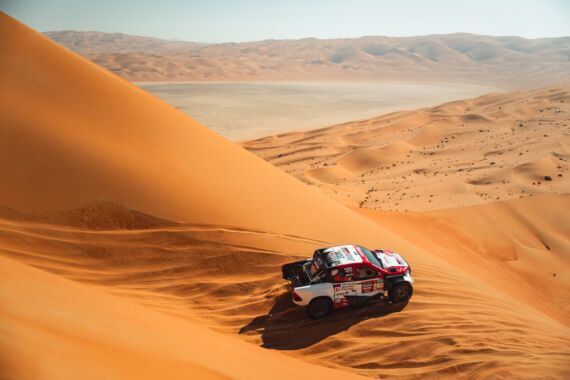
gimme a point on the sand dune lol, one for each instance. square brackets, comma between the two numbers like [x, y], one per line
[82, 145]
[115, 132]
[529, 239]
[54, 328]
[134, 242]
[227, 279]
[503, 155]
[469, 152]
[505, 62]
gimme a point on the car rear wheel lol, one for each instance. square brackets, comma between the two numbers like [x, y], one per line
[319, 308]
[400, 292]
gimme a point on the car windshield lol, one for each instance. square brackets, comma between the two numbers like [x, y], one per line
[371, 257]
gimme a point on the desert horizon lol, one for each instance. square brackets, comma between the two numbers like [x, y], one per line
[373, 207]
[508, 62]
[221, 84]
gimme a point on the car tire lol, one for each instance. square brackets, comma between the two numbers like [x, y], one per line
[319, 308]
[400, 292]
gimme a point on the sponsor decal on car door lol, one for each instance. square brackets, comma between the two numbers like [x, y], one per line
[371, 287]
[342, 290]
[345, 287]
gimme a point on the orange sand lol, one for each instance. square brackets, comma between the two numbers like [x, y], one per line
[188, 285]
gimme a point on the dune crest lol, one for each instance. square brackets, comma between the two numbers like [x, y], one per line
[107, 140]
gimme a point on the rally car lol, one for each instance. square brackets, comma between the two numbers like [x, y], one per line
[348, 275]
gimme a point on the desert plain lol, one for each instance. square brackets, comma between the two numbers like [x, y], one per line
[246, 110]
[135, 242]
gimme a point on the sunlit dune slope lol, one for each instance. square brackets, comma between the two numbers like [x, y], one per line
[55, 328]
[153, 228]
[527, 241]
[504, 155]
[74, 133]
[228, 279]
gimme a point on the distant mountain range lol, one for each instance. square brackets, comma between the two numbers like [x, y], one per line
[506, 62]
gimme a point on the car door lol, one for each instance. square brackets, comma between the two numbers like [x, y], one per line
[369, 283]
[344, 286]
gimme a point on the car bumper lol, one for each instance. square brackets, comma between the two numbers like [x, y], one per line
[408, 277]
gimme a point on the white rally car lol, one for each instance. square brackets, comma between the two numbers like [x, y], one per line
[347, 275]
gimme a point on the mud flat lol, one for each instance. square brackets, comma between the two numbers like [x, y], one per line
[247, 110]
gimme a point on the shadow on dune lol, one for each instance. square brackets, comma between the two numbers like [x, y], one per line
[286, 326]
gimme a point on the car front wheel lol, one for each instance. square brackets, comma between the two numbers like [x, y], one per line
[400, 292]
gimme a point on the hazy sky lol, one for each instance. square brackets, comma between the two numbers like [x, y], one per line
[248, 20]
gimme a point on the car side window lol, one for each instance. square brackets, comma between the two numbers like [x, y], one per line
[363, 273]
[341, 275]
